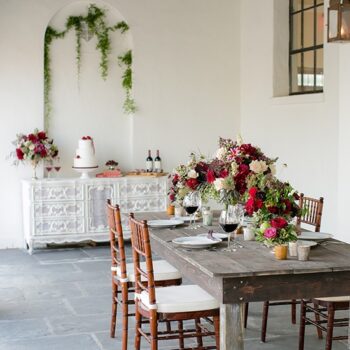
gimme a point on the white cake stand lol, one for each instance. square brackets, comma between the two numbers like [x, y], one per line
[85, 171]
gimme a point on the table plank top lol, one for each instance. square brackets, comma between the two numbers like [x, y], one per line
[253, 259]
[252, 273]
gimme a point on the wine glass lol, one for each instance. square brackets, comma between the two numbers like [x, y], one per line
[191, 203]
[57, 165]
[230, 220]
[48, 167]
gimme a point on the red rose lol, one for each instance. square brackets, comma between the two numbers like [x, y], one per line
[32, 138]
[288, 206]
[175, 179]
[273, 209]
[258, 204]
[19, 153]
[43, 153]
[249, 206]
[248, 149]
[224, 173]
[42, 135]
[210, 176]
[279, 223]
[172, 197]
[192, 183]
[253, 191]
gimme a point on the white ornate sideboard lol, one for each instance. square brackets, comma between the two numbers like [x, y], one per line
[74, 210]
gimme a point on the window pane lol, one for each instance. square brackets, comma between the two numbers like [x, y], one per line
[333, 24]
[308, 3]
[297, 31]
[308, 73]
[296, 5]
[296, 72]
[309, 28]
[345, 25]
[319, 69]
[320, 25]
[319, 2]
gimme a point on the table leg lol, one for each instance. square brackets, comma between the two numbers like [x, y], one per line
[231, 326]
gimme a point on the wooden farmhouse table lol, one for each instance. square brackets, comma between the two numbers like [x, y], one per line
[252, 274]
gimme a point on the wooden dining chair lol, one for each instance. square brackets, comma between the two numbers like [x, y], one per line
[311, 214]
[123, 277]
[325, 309]
[176, 303]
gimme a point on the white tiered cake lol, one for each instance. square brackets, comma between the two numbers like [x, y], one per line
[85, 154]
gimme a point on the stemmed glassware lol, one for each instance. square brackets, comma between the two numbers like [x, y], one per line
[230, 220]
[57, 165]
[191, 204]
[48, 167]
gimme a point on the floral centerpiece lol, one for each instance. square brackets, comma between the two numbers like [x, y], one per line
[242, 173]
[274, 207]
[34, 148]
[187, 178]
[235, 168]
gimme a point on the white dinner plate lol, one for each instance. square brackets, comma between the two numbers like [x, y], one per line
[164, 223]
[222, 236]
[314, 235]
[183, 218]
[307, 243]
[196, 242]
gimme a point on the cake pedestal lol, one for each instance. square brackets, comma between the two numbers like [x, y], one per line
[85, 171]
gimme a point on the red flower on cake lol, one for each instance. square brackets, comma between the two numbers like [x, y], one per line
[78, 157]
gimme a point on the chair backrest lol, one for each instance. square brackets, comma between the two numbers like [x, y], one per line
[116, 240]
[312, 211]
[141, 249]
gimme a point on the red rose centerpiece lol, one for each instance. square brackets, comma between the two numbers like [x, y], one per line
[34, 148]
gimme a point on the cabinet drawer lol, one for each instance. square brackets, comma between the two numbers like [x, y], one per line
[58, 192]
[55, 209]
[143, 204]
[47, 226]
[134, 189]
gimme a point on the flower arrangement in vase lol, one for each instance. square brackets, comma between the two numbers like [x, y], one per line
[34, 148]
[241, 173]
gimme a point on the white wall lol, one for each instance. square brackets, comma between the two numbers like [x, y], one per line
[301, 130]
[186, 56]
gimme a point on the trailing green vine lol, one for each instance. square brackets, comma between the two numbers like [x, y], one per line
[126, 61]
[95, 25]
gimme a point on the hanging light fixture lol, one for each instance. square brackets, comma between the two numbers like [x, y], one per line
[339, 21]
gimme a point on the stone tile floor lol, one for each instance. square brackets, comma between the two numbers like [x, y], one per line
[60, 300]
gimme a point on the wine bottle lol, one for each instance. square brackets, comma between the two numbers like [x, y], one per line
[157, 163]
[149, 162]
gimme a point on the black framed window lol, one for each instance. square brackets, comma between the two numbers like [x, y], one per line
[306, 24]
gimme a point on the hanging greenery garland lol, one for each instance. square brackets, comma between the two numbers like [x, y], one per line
[94, 23]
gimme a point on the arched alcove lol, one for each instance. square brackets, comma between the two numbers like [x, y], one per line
[89, 105]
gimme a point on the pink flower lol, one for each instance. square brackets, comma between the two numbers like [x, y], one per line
[270, 232]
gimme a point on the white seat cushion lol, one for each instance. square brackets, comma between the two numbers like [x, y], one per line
[180, 299]
[334, 299]
[162, 271]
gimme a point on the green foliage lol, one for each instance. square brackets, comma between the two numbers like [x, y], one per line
[126, 61]
[95, 22]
